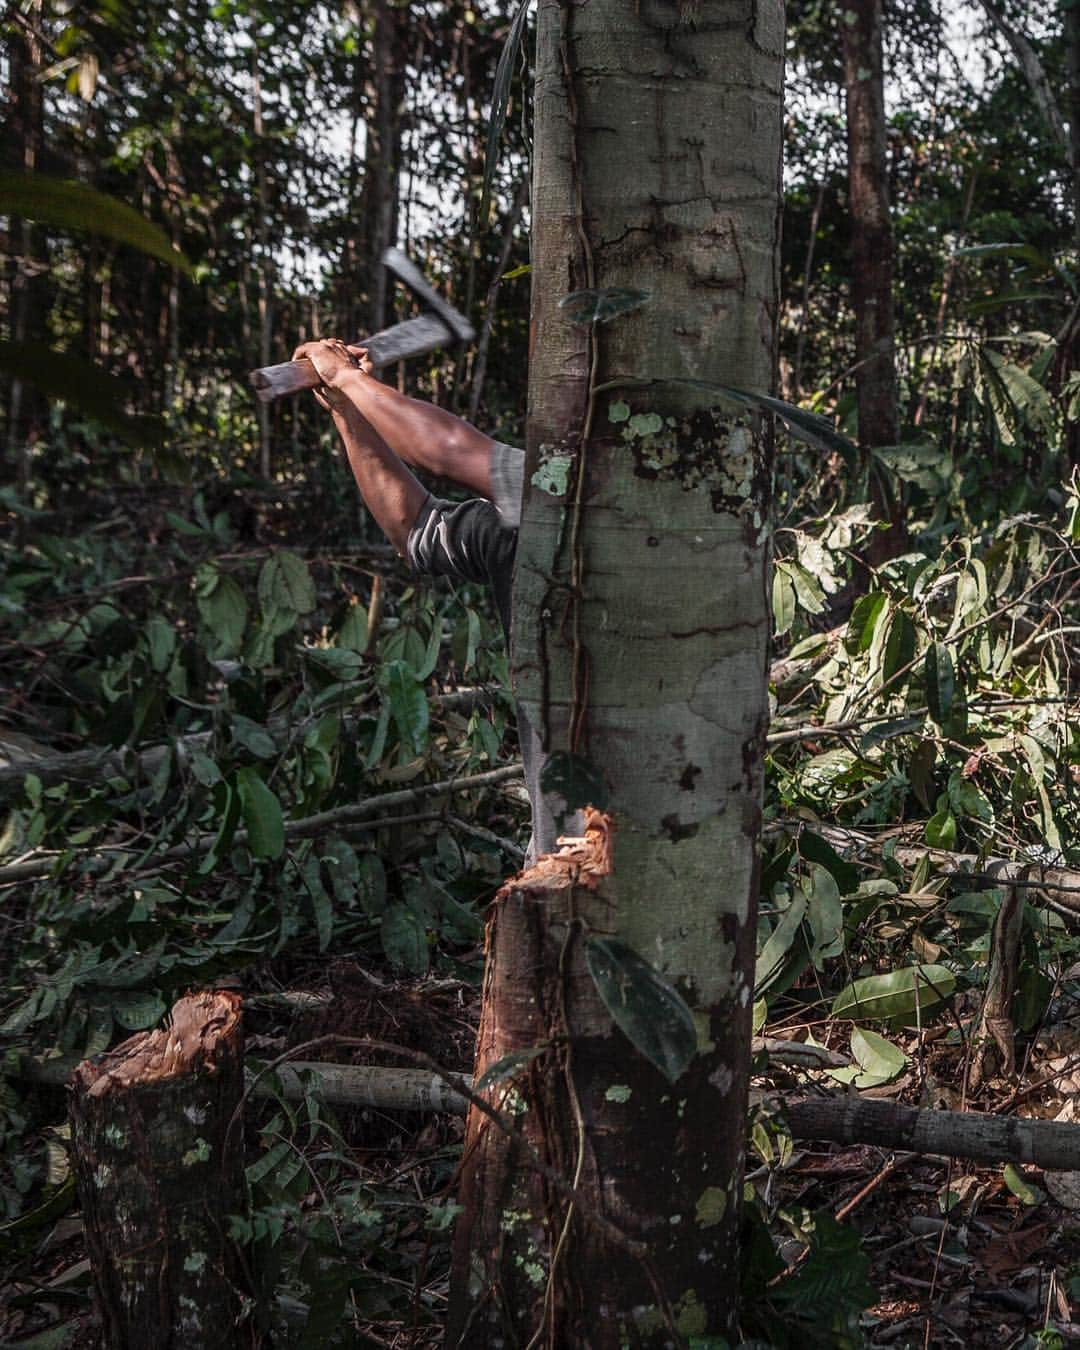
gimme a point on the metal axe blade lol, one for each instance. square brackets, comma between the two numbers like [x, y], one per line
[441, 325]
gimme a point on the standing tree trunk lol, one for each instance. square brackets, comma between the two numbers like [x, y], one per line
[639, 653]
[871, 258]
[158, 1175]
[27, 409]
[382, 155]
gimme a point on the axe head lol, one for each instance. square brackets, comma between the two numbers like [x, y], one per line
[439, 325]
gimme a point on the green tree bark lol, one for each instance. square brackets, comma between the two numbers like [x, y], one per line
[640, 646]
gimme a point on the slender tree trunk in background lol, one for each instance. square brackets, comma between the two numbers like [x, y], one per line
[27, 410]
[483, 342]
[1065, 361]
[266, 260]
[641, 633]
[872, 256]
[382, 157]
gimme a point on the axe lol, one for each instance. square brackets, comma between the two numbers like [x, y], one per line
[441, 324]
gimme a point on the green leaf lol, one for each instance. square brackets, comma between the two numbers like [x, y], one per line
[899, 645]
[783, 600]
[227, 810]
[825, 913]
[865, 616]
[941, 830]
[285, 583]
[321, 903]
[878, 1060]
[508, 1066]
[136, 1012]
[262, 815]
[404, 940]
[921, 772]
[602, 304]
[940, 681]
[222, 608]
[647, 1010]
[967, 799]
[500, 99]
[1022, 1189]
[576, 780]
[1026, 252]
[408, 704]
[897, 994]
[808, 589]
[253, 737]
[75, 206]
[92, 390]
[774, 957]
[353, 633]
[809, 427]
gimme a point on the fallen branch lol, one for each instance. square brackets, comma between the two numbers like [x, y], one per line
[1061, 884]
[101, 858]
[1051, 1144]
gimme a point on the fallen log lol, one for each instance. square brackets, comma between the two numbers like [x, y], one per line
[158, 1175]
[1050, 1144]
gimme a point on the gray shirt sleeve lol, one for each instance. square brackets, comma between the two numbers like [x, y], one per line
[468, 541]
[507, 480]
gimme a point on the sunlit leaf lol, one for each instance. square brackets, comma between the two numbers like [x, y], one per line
[878, 1061]
[896, 994]
[75, 206]
[1024, 1191]
[647, 1010]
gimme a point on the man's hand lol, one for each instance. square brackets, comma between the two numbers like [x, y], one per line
[332, 358]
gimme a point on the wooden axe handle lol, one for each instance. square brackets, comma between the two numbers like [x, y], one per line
[411, 338]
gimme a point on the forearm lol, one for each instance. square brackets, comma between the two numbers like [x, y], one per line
[421, 434]
[390, 492]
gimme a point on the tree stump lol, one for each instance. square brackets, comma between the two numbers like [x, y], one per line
[158, 1174]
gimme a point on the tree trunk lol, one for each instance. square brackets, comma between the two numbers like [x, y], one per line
[27, 409]
[382, 156]
[871, 259]
[640, 645]
[158, 1174]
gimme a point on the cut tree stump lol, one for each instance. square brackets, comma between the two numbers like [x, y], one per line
[158, 1174]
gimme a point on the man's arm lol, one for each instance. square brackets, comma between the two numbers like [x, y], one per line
[419, 433]
[391, 493]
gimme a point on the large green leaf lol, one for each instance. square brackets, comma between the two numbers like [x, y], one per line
[897, 994]
[404, 940]
[806, 426]
[647, 1010]
[940, 681]
[781, 947]
[408, 704]
[75, 206]
[92, 390]
[262, 815]
[500, 99]
[285, 583]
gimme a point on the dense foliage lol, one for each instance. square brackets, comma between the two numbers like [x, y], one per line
[225, 703]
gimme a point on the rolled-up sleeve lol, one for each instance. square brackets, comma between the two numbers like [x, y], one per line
[467, 541]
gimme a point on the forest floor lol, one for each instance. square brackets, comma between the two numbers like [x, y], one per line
[957, 1255]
